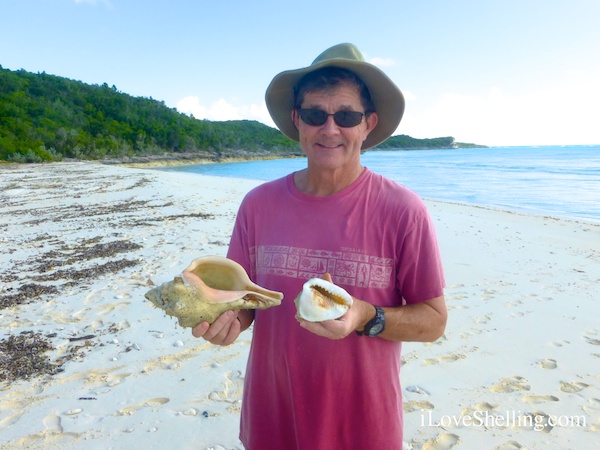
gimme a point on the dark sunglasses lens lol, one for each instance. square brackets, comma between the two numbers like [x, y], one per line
[314, 117]
[317, 117]
[347, 119]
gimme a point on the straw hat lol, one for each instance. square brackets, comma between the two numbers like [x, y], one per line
[387, 98]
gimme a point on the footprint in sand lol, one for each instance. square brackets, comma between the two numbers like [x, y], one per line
[538, 421]
[450, 357]
[539, 298]
[572, 388]
[457, 296]
[472, 332]
[232, 391]
[548, 364]
[593, 407]
[488, 294]
[105, 309]
[514, 303]
[151, 403]
[511, 384]
[113, 380]
[482, 406]
[415, 405]
[482, 319]
[52, 423]
[442, 441]
[593, 332]
[511, 445]
[12, 408]
[535, 399]
[174, 360]
[457, 307]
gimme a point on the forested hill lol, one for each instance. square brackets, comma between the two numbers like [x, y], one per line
[48, 118]
[405, 142]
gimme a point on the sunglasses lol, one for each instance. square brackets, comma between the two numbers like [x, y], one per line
[317, 117]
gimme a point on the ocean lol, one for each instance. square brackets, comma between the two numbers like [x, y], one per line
[558, 181]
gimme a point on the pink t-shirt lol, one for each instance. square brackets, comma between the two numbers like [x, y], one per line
[377, 240]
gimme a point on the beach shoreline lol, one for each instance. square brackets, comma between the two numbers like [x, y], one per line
[522, 342]
[183, 159]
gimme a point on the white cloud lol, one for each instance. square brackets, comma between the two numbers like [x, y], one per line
[382, 62]
[408, 95]
[191, 106]
[221, 109]
[559, 113]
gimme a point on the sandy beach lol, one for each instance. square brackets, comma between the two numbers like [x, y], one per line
[81, 243]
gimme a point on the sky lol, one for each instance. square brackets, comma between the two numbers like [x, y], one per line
[497, 73]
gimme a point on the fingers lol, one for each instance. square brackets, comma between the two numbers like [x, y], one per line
[331, 329]
[200, 329]
[327, 277]
[224, 331]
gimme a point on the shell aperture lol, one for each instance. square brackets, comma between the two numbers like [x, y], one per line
[321, 300]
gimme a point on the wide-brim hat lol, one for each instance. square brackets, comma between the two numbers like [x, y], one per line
[386, 96]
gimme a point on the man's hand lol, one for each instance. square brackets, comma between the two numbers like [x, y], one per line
[224, 331]
[355, 318]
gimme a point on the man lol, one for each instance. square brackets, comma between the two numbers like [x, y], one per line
[333, 384]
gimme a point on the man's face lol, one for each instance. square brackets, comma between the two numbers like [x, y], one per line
[330, 146]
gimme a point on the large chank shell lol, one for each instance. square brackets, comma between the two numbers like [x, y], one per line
[321, 300]
[207, 288]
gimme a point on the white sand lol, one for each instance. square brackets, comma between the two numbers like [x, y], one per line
[522, 342]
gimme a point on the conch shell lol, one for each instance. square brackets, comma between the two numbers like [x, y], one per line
[321, 300]
[207, 288]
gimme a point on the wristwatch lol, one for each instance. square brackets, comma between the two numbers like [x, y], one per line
[374, 326]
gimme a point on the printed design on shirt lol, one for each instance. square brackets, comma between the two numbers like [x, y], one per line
[348, 266]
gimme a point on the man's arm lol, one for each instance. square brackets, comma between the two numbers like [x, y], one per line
[420, 322]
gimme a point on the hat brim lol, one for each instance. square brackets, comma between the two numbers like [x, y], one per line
[387, 98]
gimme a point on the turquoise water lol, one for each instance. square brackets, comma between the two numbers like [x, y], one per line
[555, 181]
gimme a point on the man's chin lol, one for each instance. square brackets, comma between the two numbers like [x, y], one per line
[329, 147]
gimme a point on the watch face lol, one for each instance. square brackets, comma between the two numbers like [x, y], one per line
[377, 324]
[376, 329]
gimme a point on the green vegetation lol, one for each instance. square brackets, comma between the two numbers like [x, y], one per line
[49, 118]
[404, 142]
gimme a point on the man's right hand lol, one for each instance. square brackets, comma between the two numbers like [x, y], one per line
[223, 331]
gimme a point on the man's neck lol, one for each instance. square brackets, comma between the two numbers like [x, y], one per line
[323, 183]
